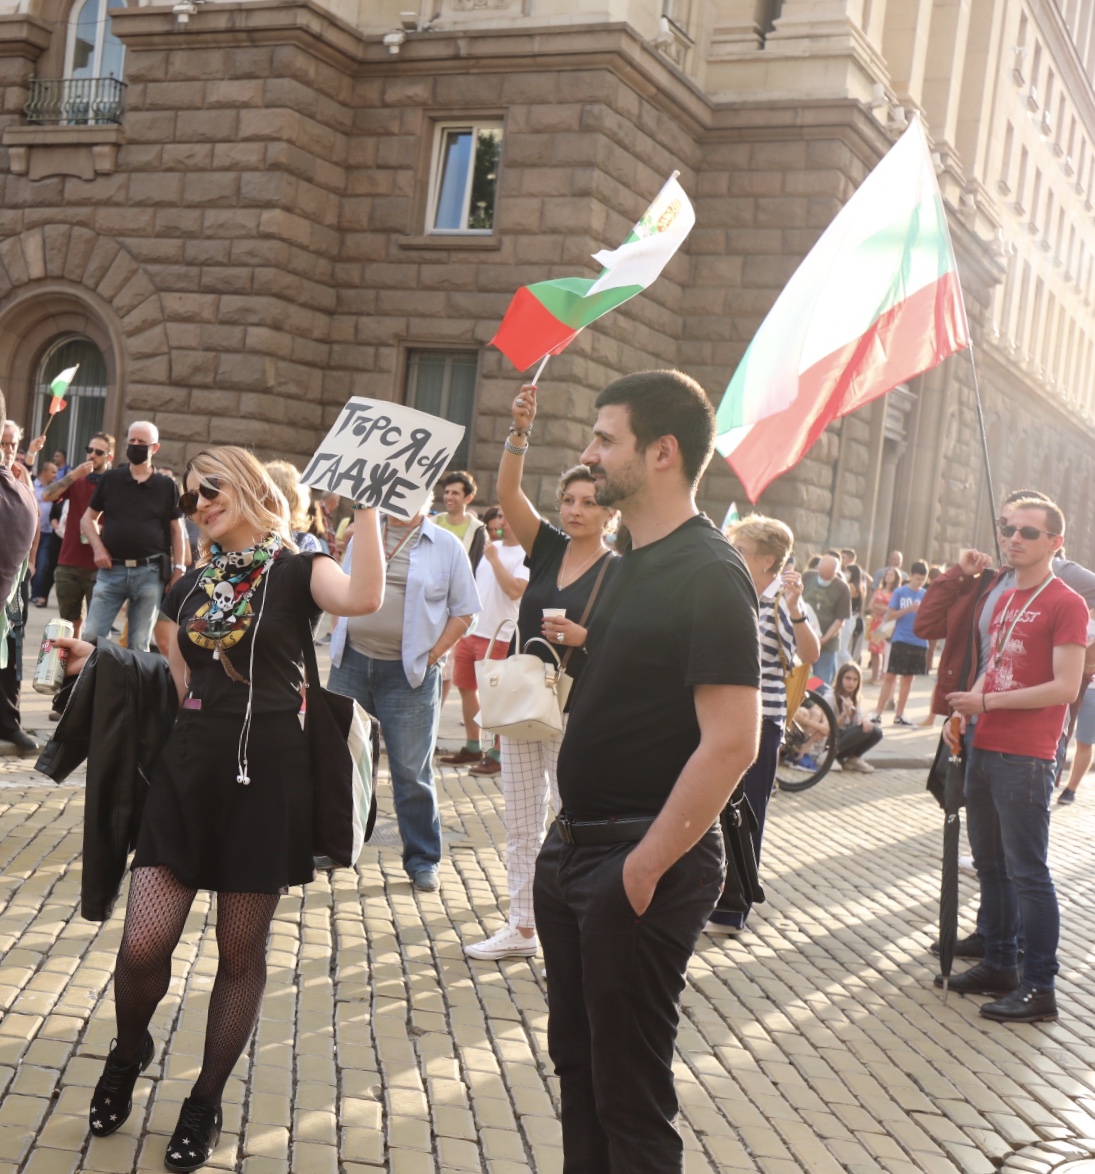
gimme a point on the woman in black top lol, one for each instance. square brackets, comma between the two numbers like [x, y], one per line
[229, 802]
[564, 565]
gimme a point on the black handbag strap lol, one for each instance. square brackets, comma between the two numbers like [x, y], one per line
[307, 639]
[588, 608]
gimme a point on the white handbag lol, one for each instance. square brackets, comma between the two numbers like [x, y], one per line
[522, 696]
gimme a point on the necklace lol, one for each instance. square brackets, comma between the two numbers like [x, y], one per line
[563, 581]
[1003, 638]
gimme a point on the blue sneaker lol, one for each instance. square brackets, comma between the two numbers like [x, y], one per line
[806, 762]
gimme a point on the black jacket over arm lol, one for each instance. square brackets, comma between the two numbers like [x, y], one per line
[118, 717]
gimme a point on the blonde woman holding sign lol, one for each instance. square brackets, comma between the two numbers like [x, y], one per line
[565, 568]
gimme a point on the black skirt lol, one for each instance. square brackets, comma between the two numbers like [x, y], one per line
[907, 660]
[215, 833]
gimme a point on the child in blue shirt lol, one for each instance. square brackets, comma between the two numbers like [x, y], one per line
[908, 653]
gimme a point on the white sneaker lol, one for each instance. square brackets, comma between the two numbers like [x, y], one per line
[859, 765]
[506, 943]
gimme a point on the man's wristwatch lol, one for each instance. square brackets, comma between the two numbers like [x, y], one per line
[180, 567]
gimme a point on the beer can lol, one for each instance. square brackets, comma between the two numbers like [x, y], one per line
[49, 672]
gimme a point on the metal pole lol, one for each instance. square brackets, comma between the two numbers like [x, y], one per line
[985, 449]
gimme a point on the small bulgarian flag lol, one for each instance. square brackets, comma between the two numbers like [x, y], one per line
[544, 318]
[732, 515]
[59, 387]
[876, 301]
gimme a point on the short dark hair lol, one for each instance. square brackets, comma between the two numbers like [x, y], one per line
[464, 478]
[919, 568]
[849, 552]
[667, 403]
[1019, 494]
[104, 436]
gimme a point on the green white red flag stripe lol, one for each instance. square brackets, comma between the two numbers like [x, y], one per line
[544, 318]
[877, 301]
[59, 388]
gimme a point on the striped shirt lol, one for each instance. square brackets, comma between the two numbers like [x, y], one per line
[773, 693]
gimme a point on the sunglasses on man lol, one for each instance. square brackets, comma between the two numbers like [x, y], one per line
[92, 451]
[208, 487]
[1028, 533]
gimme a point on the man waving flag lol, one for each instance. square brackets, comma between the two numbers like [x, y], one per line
[876, 301]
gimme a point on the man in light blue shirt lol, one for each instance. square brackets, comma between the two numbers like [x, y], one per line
[388, 661]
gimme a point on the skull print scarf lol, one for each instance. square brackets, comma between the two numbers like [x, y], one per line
[230, 579]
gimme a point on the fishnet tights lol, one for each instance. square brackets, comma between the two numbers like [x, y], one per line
[155, 916]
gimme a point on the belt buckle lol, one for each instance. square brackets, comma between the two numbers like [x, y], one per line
[130, 562]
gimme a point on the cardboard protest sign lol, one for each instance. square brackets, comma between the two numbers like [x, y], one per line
[384, 455]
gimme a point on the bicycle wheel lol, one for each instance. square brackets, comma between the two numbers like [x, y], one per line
[809, 745]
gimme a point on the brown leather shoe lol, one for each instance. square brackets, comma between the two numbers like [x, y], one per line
[489, 766]
[462, 756]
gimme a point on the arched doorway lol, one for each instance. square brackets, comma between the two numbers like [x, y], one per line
[72, 428]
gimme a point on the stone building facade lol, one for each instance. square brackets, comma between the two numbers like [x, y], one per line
[264, 223]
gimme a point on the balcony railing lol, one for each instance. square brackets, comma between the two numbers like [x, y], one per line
[80, 101]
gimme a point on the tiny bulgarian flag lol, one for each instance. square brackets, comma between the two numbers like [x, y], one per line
[732, 515]
[876, 301]
[544, 318]
[58, 387]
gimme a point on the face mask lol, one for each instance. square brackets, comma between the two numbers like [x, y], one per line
[137, 454]
[823, 582]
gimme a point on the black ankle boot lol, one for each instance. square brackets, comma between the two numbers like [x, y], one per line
[112, 1100]
[195, 1137]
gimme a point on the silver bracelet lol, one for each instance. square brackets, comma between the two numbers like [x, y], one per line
[517, 452]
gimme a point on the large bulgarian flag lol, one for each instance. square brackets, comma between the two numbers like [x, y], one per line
[544, 318]
[876, 301]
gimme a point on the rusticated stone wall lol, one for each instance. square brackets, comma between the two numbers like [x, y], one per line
[250, 251]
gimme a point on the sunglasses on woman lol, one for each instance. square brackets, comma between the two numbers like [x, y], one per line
[209, 488]
[1029, 533]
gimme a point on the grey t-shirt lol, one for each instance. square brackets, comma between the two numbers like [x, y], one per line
[380, 635]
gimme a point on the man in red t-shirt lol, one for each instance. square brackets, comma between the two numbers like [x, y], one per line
[1037, 637]
[75, 577]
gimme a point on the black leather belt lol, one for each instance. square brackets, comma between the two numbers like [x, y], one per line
[136, 562]
[624, 829]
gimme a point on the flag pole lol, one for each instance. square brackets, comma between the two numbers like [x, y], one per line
[984, 448]
[540, 369]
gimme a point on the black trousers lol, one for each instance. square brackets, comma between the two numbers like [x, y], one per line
[614, 983]
[855, 741]
[9, 688]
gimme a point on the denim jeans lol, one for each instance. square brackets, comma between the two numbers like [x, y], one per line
[1007, 806]
[825, 666]
[141, 587]
[408, 720]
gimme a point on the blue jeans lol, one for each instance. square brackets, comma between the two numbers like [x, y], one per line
[1007, 805]
[141, 587]
[408, 720]
[825, 666]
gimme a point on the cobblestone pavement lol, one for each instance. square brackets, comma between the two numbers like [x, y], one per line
[815, 1043]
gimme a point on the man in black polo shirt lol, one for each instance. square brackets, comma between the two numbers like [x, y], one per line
[140, 531]
[664, 721]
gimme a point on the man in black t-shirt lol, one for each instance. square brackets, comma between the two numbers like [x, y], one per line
[139, 532]
[663, 724]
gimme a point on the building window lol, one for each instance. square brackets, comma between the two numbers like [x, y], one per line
[464, 177]
[443, 384]
[72, 428]
[93, 50]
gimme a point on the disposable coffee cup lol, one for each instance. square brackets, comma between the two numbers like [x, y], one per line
[549, 612]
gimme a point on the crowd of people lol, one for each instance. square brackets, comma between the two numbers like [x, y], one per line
[677, 641]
